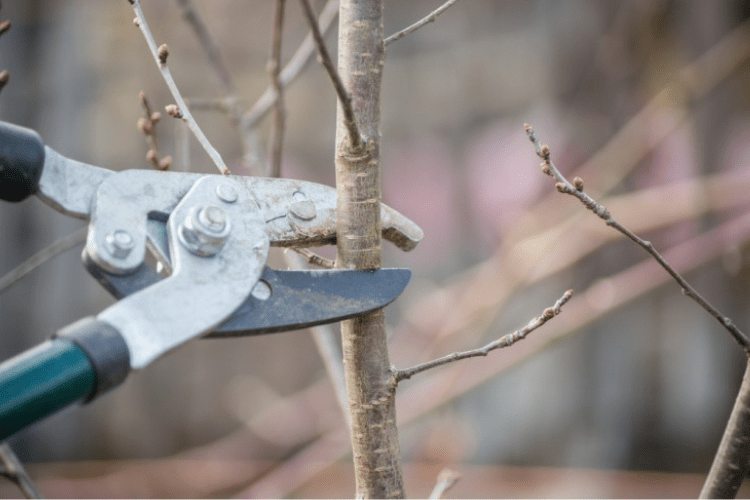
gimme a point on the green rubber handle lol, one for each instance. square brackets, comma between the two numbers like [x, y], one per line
[41, 381]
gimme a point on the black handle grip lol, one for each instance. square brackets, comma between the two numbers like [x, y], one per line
[21, 162]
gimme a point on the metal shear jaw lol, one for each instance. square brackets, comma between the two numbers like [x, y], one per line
[212, 235]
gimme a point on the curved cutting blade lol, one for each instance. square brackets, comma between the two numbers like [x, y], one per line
[287, 300]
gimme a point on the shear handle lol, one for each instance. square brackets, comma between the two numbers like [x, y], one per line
[83, 361]
[21, 162]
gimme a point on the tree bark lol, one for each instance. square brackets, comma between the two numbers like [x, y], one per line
[375, 446]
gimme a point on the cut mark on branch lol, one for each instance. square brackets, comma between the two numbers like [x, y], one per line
[140, 21]
[564, 186]
[356, 143]
[504, 341]
[422, 22]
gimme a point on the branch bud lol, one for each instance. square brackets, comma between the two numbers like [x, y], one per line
[155, 116]
[561, 187]
[544, 151]
[165, 163]
[145, 126]
[163, 53]
[578, 183]
[152, 157]
[173, 111]
[4, 26]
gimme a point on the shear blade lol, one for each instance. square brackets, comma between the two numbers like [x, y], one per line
[287, 300]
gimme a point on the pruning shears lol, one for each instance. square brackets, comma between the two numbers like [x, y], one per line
[209, 237]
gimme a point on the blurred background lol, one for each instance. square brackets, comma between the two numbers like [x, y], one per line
[625, 394]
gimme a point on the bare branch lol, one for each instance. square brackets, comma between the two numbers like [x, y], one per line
[730, 465]
[445, 481]
[576, 189]
[212, 50]
[315, 259]
[504, 341]
[422, 22]
[63, 244]
[292, 69]
[147, 126]
[12, 469]
[184, 112]
[274, 69]
[356, 144]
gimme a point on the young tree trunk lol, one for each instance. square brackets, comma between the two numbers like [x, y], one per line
[377, 461]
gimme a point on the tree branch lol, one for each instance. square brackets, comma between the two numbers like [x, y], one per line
[292, 69]
[12, 469]
[212, 50]
[274, 69]
[576, 189]
[504, 341]
[732, 461]
[422, 22]
[147, 126]
[371, 401]
[445, 481]
[315, 259]
[63, 244]
[181, 110]
[356, 144]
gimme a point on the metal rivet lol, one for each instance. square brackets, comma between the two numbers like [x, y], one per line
[301, 207]
[262, 290]
[119, 243]
[226, 193]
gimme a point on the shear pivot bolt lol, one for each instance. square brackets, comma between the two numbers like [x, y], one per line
[204, 230]
[119, 243]
[213, 218]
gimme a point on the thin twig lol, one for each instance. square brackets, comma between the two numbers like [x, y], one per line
[504, 341]
[56, 248]
[576, 189]
[12, 469]
[212, 50]
[292, 69]
[315, 259]
[425, 20]
[446, 479]
[356, 144]
[274, 69]
[147, 126]
[182, 111]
